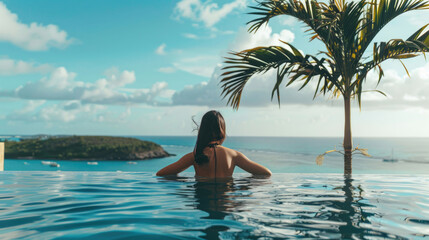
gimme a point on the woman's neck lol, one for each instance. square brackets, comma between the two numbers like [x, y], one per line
[214, 143]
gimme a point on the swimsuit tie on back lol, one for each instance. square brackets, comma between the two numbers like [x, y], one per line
[214, 150]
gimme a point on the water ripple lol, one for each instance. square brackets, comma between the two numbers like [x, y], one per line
[140, 206]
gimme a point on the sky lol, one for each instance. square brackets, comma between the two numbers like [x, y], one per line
[127, 67]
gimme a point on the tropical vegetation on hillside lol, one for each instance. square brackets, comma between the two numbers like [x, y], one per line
[84, 147]
[347, 30]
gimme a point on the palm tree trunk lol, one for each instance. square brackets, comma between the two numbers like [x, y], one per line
[347, 144]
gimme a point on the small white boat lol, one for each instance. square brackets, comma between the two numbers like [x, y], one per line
[92, 163]
[49, 163]
[130, 162]
[391, 159]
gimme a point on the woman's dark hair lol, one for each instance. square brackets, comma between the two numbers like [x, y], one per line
[212, 128]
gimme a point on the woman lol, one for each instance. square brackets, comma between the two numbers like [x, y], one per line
[211, 159]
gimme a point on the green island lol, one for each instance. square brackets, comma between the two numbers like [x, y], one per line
[84, 148]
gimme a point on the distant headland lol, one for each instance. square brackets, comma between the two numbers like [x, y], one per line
[83, 148]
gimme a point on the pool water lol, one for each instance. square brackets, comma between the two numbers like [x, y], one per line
[111, 205]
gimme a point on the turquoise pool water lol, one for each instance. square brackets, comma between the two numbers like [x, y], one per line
[110, 205]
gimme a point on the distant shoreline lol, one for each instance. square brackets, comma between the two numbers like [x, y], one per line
[87, 159]
[84, 148]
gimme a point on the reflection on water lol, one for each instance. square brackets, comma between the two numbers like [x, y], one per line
[348, 213]
[218, 198]
[140, 206]
[212, 198]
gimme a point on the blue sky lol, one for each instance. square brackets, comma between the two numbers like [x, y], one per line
[147, 67]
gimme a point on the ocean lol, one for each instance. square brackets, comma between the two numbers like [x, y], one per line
[279, 154]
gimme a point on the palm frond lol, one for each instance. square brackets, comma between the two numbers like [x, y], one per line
[381, 12]
[309, 12]
[290, 61]
[305, 11]
[417, 43]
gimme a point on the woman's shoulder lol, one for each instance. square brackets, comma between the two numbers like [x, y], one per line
[230, 151]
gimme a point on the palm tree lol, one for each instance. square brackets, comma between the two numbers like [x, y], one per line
[347, 29]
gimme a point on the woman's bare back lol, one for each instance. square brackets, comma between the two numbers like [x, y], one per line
[227, 159]
[219, 165]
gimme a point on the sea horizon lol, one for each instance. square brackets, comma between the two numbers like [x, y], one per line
[195, 135]
[282, 154]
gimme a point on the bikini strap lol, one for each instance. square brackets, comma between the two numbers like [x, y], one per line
[214, 150]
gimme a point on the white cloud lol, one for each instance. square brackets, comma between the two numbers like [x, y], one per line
[206, 12]
[107, 96]
[187, 8]
[288, 21]
[200, 65]
[209, 35]
[257, 93]
[61, 85]
[410, 98]
[403, 91]
[31, 106]
[202, 94]
[228, 32]
[210, 14]
[113, 116]
[59, 112]
[33, 37]
[167, 70]
[263, 37]
[14, 67]
[190, 36]
[63, 112]
[116, 78]
[161, 49]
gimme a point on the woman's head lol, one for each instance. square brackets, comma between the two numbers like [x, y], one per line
[211, 129]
